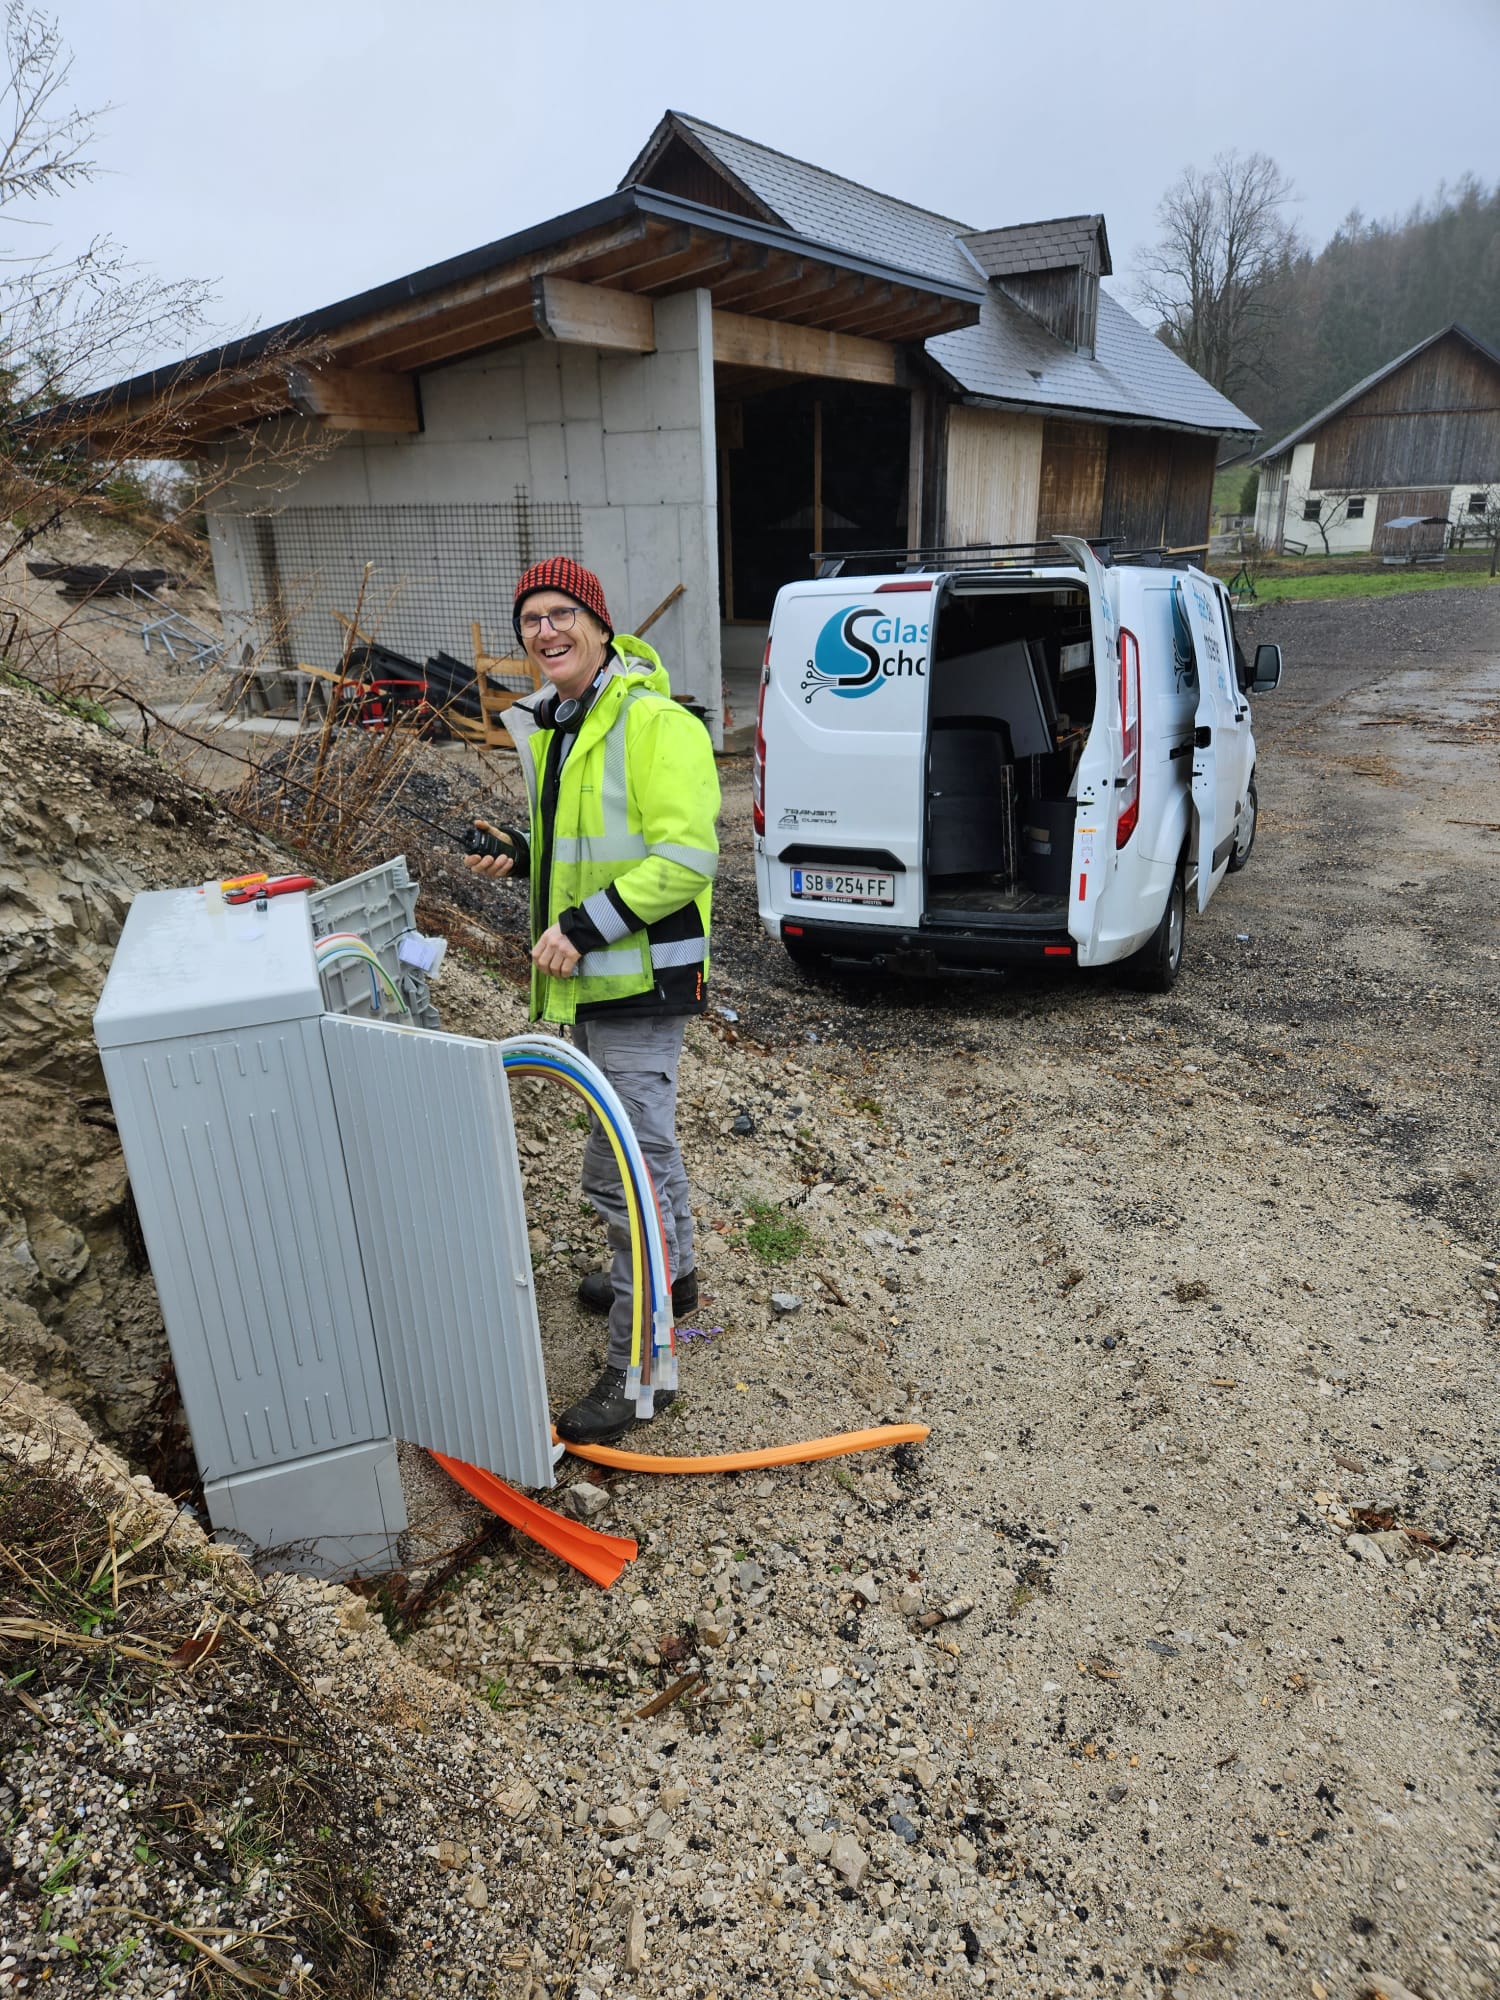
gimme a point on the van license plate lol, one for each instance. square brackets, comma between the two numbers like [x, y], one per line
[822, 886]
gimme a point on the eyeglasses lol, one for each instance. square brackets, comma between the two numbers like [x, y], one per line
[560, 620]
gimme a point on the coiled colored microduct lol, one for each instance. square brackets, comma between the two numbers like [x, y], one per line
[653, 1363]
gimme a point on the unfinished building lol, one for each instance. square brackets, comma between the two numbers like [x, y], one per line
[732, 361]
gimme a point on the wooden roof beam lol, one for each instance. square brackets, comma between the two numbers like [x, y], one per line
[828, 302]
[421, 324]
[705, 261]
[460, 332]
[908, 318]
[593, 316]
[355, 399]
[619, 267]
[743, 341]
[747, 263]
[764, 289]
[859, 312]
[801, 303]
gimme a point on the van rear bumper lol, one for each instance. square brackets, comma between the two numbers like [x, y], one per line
[900, 949]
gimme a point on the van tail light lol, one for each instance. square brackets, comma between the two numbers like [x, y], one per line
[758, 763]
[1130, 737]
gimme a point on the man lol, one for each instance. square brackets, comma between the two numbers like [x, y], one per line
[621, 853]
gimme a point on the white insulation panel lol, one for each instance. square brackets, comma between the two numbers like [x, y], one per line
[431, 1155]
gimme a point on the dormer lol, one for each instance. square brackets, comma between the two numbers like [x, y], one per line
[1051, 269]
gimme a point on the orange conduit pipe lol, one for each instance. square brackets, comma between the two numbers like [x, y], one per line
[752, 1461]
[600, 1557]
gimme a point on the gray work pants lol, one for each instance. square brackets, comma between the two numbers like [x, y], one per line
[639, 1055]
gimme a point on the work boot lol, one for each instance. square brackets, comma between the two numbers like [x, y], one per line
[604, 1414]
[596, 1294]
[684, 1295]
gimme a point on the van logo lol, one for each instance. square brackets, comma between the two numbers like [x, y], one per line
[860, 649]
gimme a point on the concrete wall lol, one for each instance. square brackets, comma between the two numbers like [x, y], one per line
[628, 439]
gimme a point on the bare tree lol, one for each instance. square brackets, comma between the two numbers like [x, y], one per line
[65, 320]
[1333, 511]
[1210, 276]
[1489, 525]
[72, 323]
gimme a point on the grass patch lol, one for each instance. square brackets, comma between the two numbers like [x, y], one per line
[1383, 583]
[1229, 485]
[775, 1236]
[68, 704]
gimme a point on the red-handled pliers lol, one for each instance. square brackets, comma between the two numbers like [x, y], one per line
[279, 885]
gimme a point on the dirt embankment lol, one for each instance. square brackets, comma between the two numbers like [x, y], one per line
[1198, 1295]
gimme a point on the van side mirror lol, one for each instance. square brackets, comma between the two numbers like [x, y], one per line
[1267, 674]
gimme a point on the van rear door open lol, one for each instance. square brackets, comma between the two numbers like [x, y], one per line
[1094, 827]
[844, 771]
[1219, 746]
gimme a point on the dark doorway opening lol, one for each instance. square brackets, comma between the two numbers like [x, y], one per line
[817, 465]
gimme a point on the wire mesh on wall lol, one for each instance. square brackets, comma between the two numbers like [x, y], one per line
[433, 570]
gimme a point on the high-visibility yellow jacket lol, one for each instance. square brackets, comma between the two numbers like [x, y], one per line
[622, 847]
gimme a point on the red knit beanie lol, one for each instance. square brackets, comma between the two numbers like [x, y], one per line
[564, 574]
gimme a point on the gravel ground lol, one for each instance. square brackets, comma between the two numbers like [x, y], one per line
[1198, 1296]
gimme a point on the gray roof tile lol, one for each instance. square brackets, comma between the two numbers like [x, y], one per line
[1008, 356]
[1040, 246]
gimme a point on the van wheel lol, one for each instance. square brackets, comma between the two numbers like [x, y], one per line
[1244, 832]
[1154, 968]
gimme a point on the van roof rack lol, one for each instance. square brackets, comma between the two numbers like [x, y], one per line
[991, 556]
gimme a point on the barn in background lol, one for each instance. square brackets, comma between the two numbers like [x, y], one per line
[1417, 441]
[734, 360]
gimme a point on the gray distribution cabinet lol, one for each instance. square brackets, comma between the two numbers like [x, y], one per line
[333, 1213]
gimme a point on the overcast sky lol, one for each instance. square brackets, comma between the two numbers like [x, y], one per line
[297, 151]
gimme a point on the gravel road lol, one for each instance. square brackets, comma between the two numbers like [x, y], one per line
[1198, 1296]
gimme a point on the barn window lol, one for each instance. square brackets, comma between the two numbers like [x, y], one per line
[1356, 509]
[1477, 502]
[1311, 509]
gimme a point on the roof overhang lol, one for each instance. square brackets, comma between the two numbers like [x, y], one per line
[635, 241]
[1134, 420]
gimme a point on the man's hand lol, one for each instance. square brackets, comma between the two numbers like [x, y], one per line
[493, 865]
[554, 955]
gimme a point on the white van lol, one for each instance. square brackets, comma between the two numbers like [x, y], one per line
[966, 767]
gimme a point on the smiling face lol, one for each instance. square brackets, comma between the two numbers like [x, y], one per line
[569, 659]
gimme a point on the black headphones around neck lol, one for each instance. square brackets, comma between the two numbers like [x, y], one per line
[567, 717]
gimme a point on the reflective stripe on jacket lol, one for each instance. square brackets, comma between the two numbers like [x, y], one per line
[630, 853]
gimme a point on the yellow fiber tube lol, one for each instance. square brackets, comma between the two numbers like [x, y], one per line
[632, 1203]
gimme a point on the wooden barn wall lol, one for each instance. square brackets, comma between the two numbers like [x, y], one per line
[1072, 479]
[1418, 502]
[1060, 300]
[1158, 488]
[1435, 422]
[679, 171]
[1190, 492]
[993, 476]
